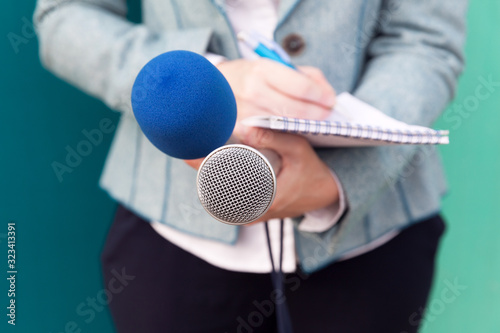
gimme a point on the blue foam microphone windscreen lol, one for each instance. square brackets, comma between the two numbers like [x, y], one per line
[183, 104]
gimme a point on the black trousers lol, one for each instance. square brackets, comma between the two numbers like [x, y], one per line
[158, 287]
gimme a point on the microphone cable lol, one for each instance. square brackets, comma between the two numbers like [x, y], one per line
[283, 318]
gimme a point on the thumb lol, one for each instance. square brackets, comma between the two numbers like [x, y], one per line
[283, 143]
[195, 164]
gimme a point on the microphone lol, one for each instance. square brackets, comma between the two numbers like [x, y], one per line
[183, 104]
[186, 108]
[237, 183]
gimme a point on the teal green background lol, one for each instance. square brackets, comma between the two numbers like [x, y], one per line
[61, 226]
[470, 251]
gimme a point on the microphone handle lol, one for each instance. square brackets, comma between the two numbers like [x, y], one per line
[273, 157]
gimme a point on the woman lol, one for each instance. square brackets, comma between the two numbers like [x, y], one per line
[359, 251]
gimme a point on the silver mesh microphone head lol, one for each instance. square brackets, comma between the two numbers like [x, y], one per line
[236, 184]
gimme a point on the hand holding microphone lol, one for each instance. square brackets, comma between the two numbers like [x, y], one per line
[304, 183]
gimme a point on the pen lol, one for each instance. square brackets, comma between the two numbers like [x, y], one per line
[265, 48]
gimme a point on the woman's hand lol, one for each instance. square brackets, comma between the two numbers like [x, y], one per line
[304, 182]
[265, 87]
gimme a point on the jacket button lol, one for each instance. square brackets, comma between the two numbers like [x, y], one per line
[293, 44]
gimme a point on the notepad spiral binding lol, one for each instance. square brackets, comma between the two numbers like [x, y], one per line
[360, 131]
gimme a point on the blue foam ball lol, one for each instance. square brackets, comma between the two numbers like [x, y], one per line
[183, 104]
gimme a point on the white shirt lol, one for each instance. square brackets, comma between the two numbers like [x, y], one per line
[250, 253]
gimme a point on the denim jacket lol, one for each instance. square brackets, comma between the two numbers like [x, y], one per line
[403, 57]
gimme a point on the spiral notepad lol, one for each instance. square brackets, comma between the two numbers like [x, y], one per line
[353, 123]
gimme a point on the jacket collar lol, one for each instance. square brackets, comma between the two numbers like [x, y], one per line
[285, 8]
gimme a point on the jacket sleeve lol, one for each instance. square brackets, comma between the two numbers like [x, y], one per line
[90, 44]
[412, 64]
